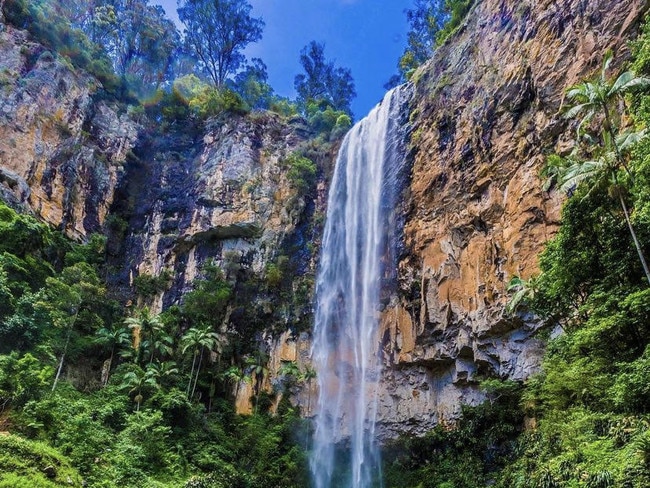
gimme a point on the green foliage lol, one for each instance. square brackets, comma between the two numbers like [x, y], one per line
[217, 31]
[431, 22]
[192, 99]
[28, 464]
[301, 173]
[206, 304]
[22, 378]
[467, 455]
[252, 86]
[323, 84]
[54, 31]
[148, 285]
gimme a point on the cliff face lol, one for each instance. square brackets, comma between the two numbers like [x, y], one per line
[61, 153]
[487, 111]
[221, 193]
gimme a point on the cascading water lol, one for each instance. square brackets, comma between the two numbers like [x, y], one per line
[356, 257]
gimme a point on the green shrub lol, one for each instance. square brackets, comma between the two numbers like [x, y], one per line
[301, 173]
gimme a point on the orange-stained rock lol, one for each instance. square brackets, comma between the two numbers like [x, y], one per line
[61, 153]
[487, 110]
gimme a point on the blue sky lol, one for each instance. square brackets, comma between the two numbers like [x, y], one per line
[367, 36]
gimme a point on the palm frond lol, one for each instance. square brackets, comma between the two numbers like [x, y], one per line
[629, 138]
[579, 172]
[626, 82]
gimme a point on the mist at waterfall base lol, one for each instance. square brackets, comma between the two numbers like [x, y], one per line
[357, 264]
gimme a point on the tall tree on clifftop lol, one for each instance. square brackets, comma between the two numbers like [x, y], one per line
[323, 82]
[430, 23]
[217, 31]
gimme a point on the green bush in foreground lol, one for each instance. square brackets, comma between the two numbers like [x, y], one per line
[30, 464]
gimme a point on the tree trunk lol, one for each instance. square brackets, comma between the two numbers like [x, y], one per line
[198, 370]
[189, 383]
[65, 350]
[637, 244]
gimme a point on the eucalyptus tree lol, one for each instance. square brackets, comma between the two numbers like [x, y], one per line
[608, 149]
[323, 83]
[217, 32]
[197, 340]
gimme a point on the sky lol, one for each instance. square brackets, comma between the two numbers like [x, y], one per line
[367, 36]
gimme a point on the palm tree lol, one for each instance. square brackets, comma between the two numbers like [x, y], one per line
[160, 371]
[197, 340]
[236, 375]
[136, 381]
[605, 98]
[147, 325]
[308, 376]
[522, 291]
[257, 367]
[111, 337]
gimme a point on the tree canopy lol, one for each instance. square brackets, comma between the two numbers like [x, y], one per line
[216, 32]
[323, 83]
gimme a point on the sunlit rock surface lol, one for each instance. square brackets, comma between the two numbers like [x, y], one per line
[61, 153]
[487, 111]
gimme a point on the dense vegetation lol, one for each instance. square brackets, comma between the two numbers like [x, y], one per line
[161, 412]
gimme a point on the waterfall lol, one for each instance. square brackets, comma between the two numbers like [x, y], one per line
[357, 257]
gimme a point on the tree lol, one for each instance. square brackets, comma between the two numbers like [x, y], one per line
[308, 376]
[137, 381]
[217, 31]
[252, 85]
[257, 368]
[197, 340]
[289, 373]
[162, 371]
[143, 43]
[610, 147]
[139, 39]
[430, 23]
[112, 337]
[323, 83]
[147, 326]
[236, 375]
[207, 303]
[72, 301]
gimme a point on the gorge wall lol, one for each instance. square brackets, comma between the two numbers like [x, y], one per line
[486, 111]
[63, 149]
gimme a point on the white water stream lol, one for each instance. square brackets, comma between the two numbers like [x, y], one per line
[356, 256]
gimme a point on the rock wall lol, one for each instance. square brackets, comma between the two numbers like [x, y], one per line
[219, 193]
[488, 109]
[61, 153]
